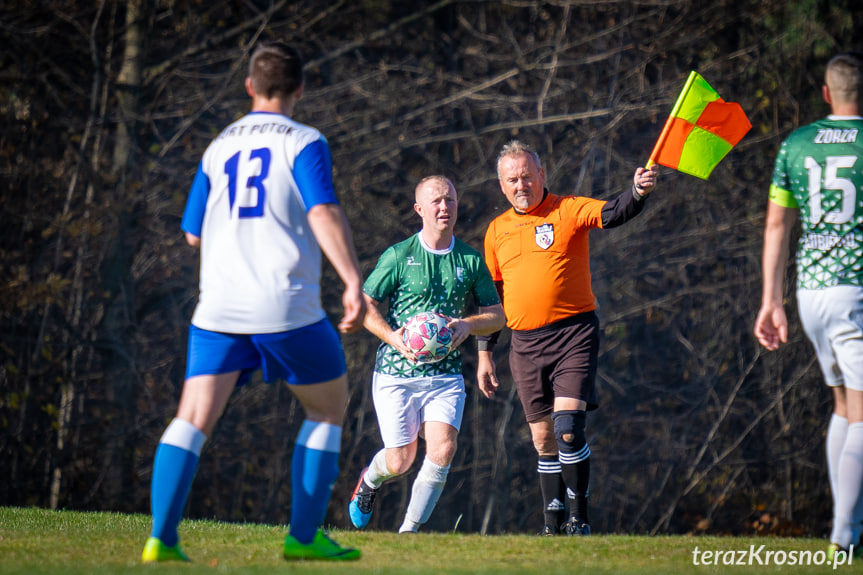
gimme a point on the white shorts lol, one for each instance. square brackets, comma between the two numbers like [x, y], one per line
[404, 404]
[833, 320]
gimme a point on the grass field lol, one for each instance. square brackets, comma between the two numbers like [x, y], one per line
[35, 541]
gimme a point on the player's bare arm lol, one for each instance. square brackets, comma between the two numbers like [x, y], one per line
[488, 320]
[376, 324]
[333, 234]
[771, 325]
[193, 240]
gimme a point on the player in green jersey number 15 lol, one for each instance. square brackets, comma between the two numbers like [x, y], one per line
[818, 181]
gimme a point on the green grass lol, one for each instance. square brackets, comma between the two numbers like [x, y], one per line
[35, 541]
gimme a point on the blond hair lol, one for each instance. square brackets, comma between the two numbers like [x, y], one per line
[437, 178]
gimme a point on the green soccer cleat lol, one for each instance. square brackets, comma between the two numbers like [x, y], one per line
[322, 547]
[155, 551]
[835, 548]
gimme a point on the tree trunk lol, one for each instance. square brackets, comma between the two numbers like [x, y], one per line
[118, 326]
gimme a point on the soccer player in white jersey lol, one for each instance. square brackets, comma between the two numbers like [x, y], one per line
[262, 209]
[430, 271]
[818, 180]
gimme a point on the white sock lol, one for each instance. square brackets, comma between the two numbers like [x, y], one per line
[850, 478]
[836, 433]
[409, 526]
[424, 495]
[180, 433]
[378, 471]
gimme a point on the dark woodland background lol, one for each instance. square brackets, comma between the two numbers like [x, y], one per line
[107, 105]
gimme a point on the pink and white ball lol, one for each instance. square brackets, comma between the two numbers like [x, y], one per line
[428, 337]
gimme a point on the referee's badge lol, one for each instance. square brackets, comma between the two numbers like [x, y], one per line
[544, 235]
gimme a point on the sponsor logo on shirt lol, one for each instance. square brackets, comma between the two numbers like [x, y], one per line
[544, 235]
[412, 262]
[266, 128]
[459, 274]
[826, 242]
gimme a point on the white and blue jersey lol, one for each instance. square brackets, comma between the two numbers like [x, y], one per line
[260, 262]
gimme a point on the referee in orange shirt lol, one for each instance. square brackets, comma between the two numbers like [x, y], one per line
[538, 256]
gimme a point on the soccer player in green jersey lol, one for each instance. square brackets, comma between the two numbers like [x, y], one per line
[818, 180]
[430, 271]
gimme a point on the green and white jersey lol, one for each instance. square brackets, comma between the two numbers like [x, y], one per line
[411, 278]
[819, 170]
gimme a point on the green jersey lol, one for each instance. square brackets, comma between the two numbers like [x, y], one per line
[412, 278]
[819, 170]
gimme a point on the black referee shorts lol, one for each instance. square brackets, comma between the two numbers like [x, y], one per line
[557, 360]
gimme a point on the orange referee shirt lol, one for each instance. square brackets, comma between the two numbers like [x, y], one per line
[543, 259]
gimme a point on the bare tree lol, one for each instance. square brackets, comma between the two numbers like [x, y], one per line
[107, 106]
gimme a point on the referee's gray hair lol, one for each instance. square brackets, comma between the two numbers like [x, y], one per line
[514, 147]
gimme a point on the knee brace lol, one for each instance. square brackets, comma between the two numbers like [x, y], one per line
[569, 431]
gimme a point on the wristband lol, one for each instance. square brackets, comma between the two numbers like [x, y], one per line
[486, 342]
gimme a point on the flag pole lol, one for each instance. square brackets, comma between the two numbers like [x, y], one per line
[664, 134]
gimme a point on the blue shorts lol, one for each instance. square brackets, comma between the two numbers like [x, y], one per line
[310, 354]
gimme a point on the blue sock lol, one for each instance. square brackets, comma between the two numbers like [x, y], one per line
[173, 472]
[314, 469]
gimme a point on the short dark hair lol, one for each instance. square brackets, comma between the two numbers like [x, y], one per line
[276, 69]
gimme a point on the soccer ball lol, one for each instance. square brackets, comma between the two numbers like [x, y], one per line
[427, 335]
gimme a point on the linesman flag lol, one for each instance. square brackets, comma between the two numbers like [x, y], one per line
[700, 131]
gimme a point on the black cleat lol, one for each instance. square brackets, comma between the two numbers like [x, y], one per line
[575, 527]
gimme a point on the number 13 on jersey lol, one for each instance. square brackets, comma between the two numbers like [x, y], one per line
[255, 182]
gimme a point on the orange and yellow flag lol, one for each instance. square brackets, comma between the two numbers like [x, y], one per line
[700, 131]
